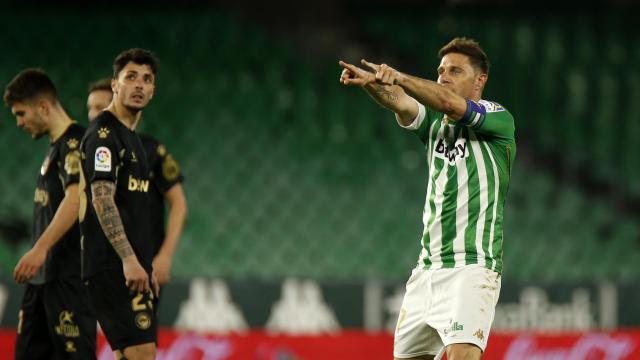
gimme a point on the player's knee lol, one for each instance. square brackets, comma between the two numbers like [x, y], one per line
[140, 352]
[463, 352]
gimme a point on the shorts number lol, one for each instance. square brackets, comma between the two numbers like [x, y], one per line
[136, 302]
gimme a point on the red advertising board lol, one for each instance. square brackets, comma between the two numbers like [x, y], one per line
[260, 345]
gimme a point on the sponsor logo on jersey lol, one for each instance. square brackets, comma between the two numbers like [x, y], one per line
[138, 184]
[479, 334]
[452, 152]
[70, 347]
[103, 159]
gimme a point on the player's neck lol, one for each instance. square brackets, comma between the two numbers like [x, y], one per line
[58, 123]
[125, 116]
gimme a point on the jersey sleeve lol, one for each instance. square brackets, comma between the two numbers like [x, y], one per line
[69, 169]
[101, 155]
[166, 171]
[422, 122]
[489, 118]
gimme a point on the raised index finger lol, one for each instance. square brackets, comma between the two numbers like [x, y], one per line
[349, 67]
[372, 66]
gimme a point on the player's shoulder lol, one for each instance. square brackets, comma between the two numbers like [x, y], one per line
[104, 126]
[492, 106]
[75, 131]
[153, 146]
[104, 120]
[72, 136]
[149, 141]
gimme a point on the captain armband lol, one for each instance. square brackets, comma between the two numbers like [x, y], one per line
[474, 116]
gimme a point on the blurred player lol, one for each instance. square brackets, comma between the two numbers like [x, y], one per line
[114, 219]
[470, 147]
[55, 321]
[166, 180]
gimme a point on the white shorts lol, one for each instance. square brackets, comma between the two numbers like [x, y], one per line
[446, 306]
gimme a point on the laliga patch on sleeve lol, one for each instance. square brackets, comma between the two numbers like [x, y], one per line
[103, 159]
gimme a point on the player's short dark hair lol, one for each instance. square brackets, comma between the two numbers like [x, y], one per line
[28, 85]
[137, 56]
[471, 49]
[101, 85]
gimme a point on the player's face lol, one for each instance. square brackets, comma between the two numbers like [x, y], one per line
[97, 101]
[29, 118]
[457, 73]
[134, 86]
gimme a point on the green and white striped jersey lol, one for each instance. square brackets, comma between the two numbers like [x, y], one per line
[469, 173]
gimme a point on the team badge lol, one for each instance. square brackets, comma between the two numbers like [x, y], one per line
[143, 321]
[103, 159]
[170, 168]
[72, 163]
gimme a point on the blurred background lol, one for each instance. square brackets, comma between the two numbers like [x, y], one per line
[304, 195]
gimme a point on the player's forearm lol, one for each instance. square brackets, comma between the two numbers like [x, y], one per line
[394, 99]
[109, 217]
[65, 217]
[433, 95]
[175, 220]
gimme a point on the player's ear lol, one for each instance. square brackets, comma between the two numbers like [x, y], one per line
[43, 106]
[481, 80]
[114, 86]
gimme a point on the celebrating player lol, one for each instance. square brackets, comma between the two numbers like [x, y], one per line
[451, 295]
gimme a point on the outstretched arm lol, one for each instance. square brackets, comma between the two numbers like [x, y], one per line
[390, 96]
[427, 92]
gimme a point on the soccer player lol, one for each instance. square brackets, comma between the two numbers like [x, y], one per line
[114, 218]
[166, 184]
[55, 320]
[451, 295]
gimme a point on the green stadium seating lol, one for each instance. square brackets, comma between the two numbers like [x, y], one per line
[288, 173]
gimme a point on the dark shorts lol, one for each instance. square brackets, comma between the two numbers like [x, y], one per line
[126, 318]
[56, 322]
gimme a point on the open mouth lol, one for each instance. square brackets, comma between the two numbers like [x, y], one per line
[137, 97]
